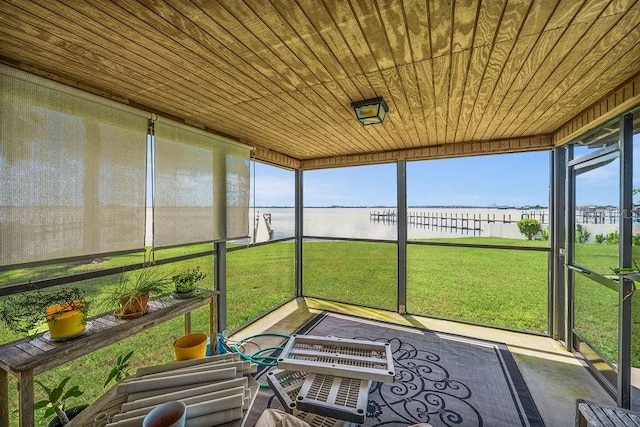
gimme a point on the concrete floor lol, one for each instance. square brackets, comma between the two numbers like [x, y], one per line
[555, 377]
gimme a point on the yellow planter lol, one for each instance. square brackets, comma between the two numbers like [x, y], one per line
[65, 320]
[191, 346]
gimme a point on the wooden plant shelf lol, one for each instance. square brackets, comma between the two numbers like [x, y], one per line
[27, 358]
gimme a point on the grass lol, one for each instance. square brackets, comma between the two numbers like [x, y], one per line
[258, 279]
[488, 286]
[503, 288]
[356, 272]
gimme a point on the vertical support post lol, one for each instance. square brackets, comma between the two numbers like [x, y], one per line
[299, 230]
[220, 285]
[626, 261]
[570, 221]
[402, 235]
[213, 322]
[25, 383]
[4, 398]
[187, 323]
[557, 236]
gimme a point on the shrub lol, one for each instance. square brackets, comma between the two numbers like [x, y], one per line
[600, 239]
[582, 235]
[529, 227]
[545, 234]
[613, 238]
[635, 240]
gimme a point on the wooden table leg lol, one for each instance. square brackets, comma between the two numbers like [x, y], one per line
[4, 398]
[25, 384]
[213, 319]
[187, 323]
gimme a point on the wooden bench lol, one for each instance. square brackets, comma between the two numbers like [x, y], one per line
[590, 414]
[27, 358]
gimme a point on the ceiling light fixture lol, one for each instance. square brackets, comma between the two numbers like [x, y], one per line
[370, 111]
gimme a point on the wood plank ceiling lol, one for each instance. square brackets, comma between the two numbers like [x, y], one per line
[459, 76]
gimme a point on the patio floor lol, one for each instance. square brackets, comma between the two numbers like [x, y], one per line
[555, 377]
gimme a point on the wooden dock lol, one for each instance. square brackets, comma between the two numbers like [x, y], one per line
[463, 223]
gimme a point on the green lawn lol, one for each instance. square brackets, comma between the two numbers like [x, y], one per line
[495, 287]
[356, 272]
[504, 288]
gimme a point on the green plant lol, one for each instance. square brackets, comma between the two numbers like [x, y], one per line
[545, 234]
[24, 312]
[529, 227]
[600, 239]
[56, 400]
[613, 238]
[119, 371]
[582, 235]
[626, 271]
[630, 273]
[187, 281]
[135, 287]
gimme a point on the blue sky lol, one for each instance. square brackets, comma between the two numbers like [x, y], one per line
[509, 179]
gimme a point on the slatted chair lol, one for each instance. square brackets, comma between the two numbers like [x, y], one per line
[591, 414]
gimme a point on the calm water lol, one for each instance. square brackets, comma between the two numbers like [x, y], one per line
[424, 222]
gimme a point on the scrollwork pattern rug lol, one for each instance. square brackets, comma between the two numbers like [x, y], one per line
[441, 379]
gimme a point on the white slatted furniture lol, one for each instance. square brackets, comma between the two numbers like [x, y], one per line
[330, 377]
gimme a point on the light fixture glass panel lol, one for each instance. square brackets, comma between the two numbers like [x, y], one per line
[370, 111]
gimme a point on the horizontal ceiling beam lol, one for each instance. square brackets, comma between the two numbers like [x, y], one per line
[275, 158]
[624, 98]
[463, 149]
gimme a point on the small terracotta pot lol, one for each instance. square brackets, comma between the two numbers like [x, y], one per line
[132, 305]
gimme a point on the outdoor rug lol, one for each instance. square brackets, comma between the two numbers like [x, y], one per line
[441, 379]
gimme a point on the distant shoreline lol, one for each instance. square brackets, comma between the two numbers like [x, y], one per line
[409, 207]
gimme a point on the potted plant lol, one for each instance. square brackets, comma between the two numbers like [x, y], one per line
[56, 401]
[186, 283]
[64, 310]
[134, 290]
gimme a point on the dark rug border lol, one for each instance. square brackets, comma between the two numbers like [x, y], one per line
[524, 395]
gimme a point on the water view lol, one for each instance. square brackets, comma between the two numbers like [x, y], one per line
[423, 223]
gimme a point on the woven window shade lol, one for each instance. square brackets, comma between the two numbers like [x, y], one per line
[72, 167]
[190, 185]
[238, 189]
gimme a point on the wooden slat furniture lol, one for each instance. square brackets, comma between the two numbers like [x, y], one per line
[27, 358]
[591, 414]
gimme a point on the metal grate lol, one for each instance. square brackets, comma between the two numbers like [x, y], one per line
[286, 385]
[315, 420]
[367, 360]
[338, 397]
